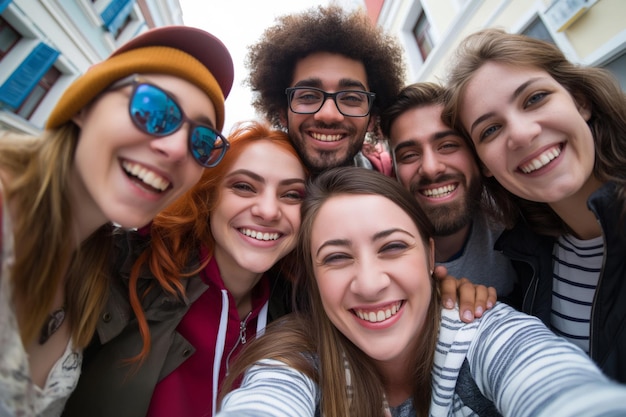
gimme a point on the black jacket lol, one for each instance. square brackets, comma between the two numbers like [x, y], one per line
[531, 255]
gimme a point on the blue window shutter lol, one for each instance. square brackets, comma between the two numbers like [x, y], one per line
[19, 84]
[4, 4]
[115, 14]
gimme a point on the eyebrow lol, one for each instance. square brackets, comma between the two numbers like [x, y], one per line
[344, 83]
[259, 178]
[514, 96]
[436, 137]
[347, 242]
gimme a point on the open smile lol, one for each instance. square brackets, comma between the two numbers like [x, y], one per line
[145, 177]
[542, 160]
[379, 314]
[326, 138]
[439, 192]
[258, 235]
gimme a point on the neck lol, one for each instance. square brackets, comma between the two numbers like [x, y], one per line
[397, 382]
[238, 281]
[575, 213]
[448, 246]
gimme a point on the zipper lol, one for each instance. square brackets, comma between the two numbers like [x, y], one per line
[241, 339]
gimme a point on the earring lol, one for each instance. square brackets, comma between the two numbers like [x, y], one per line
[431, 272]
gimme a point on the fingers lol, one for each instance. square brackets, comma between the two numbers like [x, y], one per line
[492, 298]
[467, 297]
[447, 286]
[473, 299]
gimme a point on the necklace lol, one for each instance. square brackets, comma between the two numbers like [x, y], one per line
[55, 320]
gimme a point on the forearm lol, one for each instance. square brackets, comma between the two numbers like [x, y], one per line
[527, 371]
[271, 389]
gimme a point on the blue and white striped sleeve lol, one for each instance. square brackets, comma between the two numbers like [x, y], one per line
[272, 389]
[526, 370]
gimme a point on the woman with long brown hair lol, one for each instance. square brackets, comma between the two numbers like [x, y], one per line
[550, 136]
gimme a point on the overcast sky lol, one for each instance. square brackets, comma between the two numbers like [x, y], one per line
[239, 23]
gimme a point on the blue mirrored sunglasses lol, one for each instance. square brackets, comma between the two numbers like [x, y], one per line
[156, 113]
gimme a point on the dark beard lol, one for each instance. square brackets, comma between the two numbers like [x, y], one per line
[453, 217]
[324, 160]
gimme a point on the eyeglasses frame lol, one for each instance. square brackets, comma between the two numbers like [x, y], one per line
[370, 97]
[136, 80]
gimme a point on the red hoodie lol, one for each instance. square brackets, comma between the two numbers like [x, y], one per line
[213, 327]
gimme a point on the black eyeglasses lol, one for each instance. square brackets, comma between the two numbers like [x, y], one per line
[156, 113]
[309, 100]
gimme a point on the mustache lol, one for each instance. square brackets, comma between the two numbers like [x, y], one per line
[322, 126]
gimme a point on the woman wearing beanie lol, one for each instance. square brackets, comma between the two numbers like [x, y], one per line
[125, 140]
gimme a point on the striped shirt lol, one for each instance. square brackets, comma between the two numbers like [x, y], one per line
[577, 266]
[514, 360]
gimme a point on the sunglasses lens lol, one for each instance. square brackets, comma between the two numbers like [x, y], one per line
[207, 146]
[153, 111]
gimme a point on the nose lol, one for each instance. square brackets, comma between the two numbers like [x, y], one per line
[266, 207]
[370, 280]
[173, 146]
[521, 132]
[329, 112]
[430, 166]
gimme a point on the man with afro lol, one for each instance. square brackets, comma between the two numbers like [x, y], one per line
[325, 52]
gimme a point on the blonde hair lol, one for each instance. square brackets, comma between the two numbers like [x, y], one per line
[40, 169]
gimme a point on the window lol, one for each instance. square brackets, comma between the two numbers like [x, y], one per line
[421, 31]
[538, 30]
[117, 15]
[8, 38]
[122, 26]
[40, 90]
[618, 67]
[25, 88]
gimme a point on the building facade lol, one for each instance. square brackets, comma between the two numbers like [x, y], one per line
[589, 32]
[46, 44]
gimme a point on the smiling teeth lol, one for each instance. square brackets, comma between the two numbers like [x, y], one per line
[259, 235]
[378, 315]
[148, 177]
[542, 160]
[439, 191]
[326, 138]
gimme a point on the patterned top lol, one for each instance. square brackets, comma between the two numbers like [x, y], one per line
[577, 267]
[19, 396]
[517, 365]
